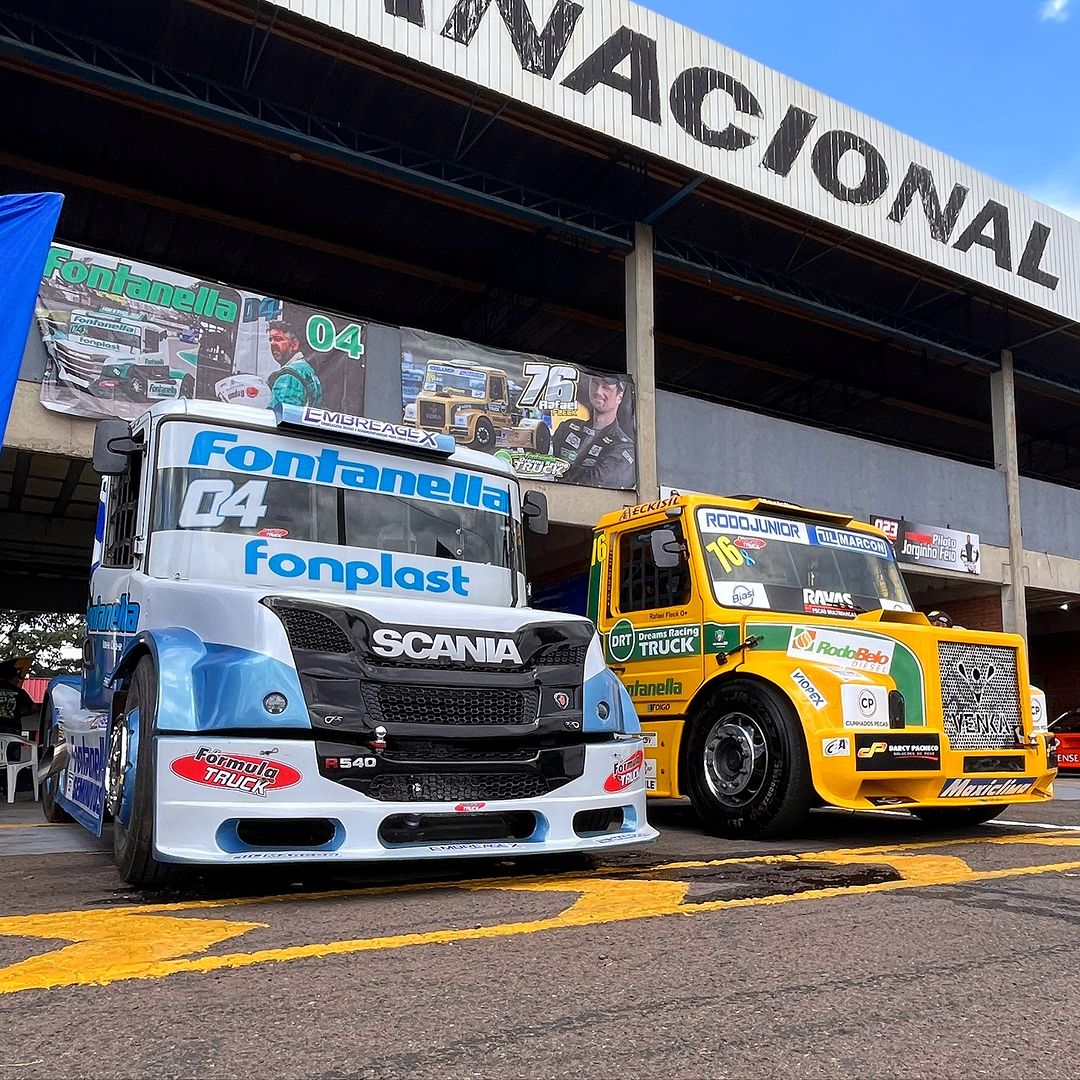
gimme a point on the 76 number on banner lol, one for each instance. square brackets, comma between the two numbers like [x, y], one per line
[551, 386]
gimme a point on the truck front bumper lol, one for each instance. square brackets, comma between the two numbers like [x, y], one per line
[228, 800]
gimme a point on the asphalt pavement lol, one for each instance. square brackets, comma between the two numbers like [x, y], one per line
[866, 947]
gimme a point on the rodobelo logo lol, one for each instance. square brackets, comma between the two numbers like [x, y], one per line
[841, 650]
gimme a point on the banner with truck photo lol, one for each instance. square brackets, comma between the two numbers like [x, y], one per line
[120, 335]
[550, 420]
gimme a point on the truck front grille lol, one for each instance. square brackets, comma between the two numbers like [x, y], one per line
[427, 750]
[78, 363]
[980, 695]
[402, 704]
[563, 654]
[313, 631]
[432, 414]
[460, 787]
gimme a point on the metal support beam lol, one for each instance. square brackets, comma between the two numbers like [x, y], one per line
[682, 193]
[641, 356]
[1007, 463]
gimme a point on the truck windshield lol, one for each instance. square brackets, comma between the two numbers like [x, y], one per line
[305, 499]
[97, 332]
[459, 379]
[783, 565]
[217, 502]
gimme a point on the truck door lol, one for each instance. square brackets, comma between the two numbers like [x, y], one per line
[653, 634]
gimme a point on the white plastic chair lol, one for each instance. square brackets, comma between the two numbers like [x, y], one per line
[28, 760]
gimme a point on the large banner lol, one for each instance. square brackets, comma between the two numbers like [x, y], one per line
[932, 545]
[551, 421]
[121, 335]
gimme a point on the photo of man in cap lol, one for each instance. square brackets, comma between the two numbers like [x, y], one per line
[600, 453]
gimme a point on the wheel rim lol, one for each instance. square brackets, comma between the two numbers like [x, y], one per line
[485, 436]
[736, 759]
[116, 766]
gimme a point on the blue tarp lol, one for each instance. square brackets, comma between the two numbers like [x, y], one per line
[27, 223]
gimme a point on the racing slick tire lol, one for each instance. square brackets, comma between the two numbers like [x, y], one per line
[187, 387]
[958, 817]
[747, 769]
[54, 814]
[483, 435]
[133, 840]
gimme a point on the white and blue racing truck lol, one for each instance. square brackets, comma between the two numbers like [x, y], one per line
[308, 638]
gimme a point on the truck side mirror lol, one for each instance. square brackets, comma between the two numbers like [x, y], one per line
[113, 447]
[534, 509]
[666, 549]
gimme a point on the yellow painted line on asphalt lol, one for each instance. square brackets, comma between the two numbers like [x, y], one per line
[39, 825]
[110, 945]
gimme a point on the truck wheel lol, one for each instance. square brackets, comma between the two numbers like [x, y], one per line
[543, 439]
[130, 784]
[48, 738]
[960, 817]
[187, 387]
[483, 435]
[137, 388]
[747, 769]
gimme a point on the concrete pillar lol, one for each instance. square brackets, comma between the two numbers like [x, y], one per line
[641, 356]
[1006, 461]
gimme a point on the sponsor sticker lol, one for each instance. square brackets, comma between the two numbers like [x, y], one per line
[897, 753]
[828, 602]
[469, 807]
[838, 649]
[235, 772]
[836, 747]
[1038, 714]
[975, 788]
[650, 738]
[889, 800]
[750, 543]
[809, 690]
[626, 772]
[864, 706]
[626, 642]
[739, 594]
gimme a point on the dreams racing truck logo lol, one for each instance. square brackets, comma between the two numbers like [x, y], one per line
[252, 776]
[417, 645]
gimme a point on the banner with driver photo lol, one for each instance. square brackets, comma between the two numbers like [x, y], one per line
[550, 420]
[120, 335]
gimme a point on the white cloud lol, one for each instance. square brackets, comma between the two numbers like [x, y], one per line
[1054, 11]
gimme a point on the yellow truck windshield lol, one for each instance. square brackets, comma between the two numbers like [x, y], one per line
[779, 564]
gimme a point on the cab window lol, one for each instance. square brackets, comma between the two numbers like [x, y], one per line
[643, 586]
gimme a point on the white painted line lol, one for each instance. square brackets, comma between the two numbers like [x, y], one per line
[1036, 825]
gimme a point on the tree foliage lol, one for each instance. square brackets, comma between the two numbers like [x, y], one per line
[54, 640]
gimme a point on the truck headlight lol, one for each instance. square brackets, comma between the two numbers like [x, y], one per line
[459, 417]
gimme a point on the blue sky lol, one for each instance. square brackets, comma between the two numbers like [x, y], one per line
[995, 83]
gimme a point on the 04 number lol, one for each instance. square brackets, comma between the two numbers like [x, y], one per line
[208, 504]
[324, 336]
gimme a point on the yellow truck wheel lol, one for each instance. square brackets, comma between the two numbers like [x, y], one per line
[960, 817]
[483, 437]
[746, 768]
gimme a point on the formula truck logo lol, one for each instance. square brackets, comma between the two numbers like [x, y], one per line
[626, 772]
[417, 645]
[841, 650]
[252, 776]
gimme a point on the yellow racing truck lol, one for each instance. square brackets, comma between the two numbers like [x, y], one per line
[776, 663]
[477, 405]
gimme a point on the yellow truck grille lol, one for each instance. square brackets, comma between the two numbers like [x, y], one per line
[980, 695]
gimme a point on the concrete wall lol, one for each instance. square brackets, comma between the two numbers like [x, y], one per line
[1051, 518]
[702, 446]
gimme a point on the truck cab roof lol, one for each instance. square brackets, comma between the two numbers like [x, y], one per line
[217, 412]
[677, 505]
